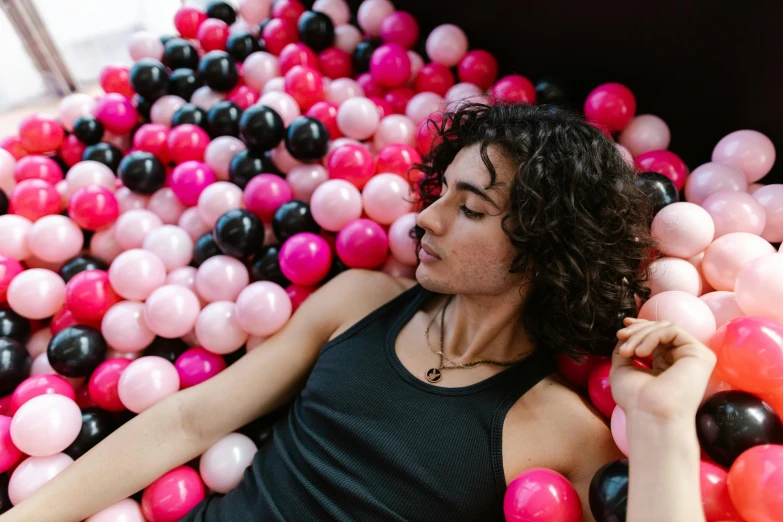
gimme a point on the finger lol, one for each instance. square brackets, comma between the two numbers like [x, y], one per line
[619, 359]
[654, 339]
[638, 336]
[626, 332]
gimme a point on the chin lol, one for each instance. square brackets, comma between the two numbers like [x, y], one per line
[429, 281]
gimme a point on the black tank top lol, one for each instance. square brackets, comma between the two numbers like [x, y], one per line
[365, 440]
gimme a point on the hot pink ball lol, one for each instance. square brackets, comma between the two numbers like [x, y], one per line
[116, 113]
[305, 85]
[710, 178]
[750, 151]
[93, 207]
[147, 381]
[342, 90]
[447, 44]
[386, 197]
[423, 105]
[305, 258]
[759, 287]
[371, 14]
[543, 495]
[664, 162]
[478, 67]
[283, 104]
[682, 229]
[54, 239]
[221, 278]
[368, 86]
[220, 152]
[39, 385]
[683, 309]
[40, 133]
[104, 246]
[186, 143]
[358, 118]
[104, 382]
[36, 293]
[611, 105]
[645, 133]
[196, 365]
[144, 44]
[88, 295]
[217, 199]
[723, 306]
[335, 203]
[171, 496]
[735, 211]
[9, 268]
[263, 308]
[434, 77]
[164, 108]
[395, 129]
[171, 311]
[390, 65]
[599, 388]
[304, 179]
[264, 194]
[402, 246]
[347, 37]
[189, 179]
[134, 274]
[362, 244]
[73, 107]
[127, 510]
[671, 273]
[33, 199]
[86, 173]
[38, 167]
[124, 328]
[400, 28]
[771, 199]
[46, 424]
[171, 244]
[33, 473]
[9, 454]
[132, 227]
[165, 204]
[217, 329]
[190, 221]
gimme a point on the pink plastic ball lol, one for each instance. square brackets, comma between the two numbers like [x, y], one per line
[13, 230]
[275, 85]
[390, 65]
[337, 10]
[368, 86]
[305, 85]
[190, 221]
[541, 495]
[645, 133]
[750, 151]
[54, 239]
[171, 244]
[264, 194]
[387, 197]
[196, 365]
[395, 129]
[259, 68]
[116, 113]
[611, 105]
[221, 278]
[283, 104]
[671, 273]
[735, 211]
[362, 244]
[305, 258]
[296, 54]
[599, 388]
[171, 311]
[400, 28]
[478, 67]
[132, 227]
[128, 200]
[447, 44]
[38, 342]
[88, 295]
[46, 425]
[9, 454]
[723, 306]
[423, 105]
[73, 107]
[759, 287]
[304, 179]
[347, 37]
[683, 309]
[9, 268]
[144, 44]
[187, 142]
[134, 274]
[41, 133]
[127, 510]
[204, 98]
[710, 178]
[335, 203]
[618, 427]
[255, 11]
[725, 256]
[147, 381]
[33, 473]
[189, 179]
[342, 90]
[402, 246]
[184, 276]
[35, 198]
[36, 293]
[171, 496]
[682, 229]
[217, 199]
[263, 308]
[217, 328]
[358, 118]
[220, 152]
[371, 14]
[39, 385]
[223, 465]
[124, 328]
[164, 108]
[93, 207]
[86, 173]
[165, 204]
[771, 199]
[283, 160]
[7, 166]
[38, 167]
[104, 246]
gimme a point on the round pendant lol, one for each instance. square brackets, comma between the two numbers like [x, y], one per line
[433, 375]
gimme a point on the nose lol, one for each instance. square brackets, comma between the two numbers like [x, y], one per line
[430, 219]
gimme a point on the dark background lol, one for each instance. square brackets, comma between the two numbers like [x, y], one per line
[707, 67]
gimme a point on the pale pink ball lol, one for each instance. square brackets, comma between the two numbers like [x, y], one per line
[697, 262]
[104, 246]
[395, 268]
[46, 424]
[220, 152]
[190, 221]
[171, 311]
[241, 26]
[342, 89]
[304, 179]
[759, 287]
[771, 199]
[423, 105]
[395, 128]
[183, 276]
[371, 14]
[255, 11]
[646, 132]
[217, 329]
[86, 173]
[39, 342]
[54, 239]
[254, 342]
[147, 381]
[144, 44]
[682, 229]
[13, 230]
[128, 200]
[347, 37]
[358, 118]
[7, 167]
[283, 159]
[447, 44]
[205, 98]
[274, 85]
[750, 151]
[221, 278]
[34, 262]
[387, 197]
[723, 305]
[162, 111]
[223, 465]
[724, 258]
[462, 93]
[734, 211]
[127, 510]
[132, 227]
[671, 273]
[753, 187]
[259, 68]
[710, 178]
[171, 244]
[417, 62]
[683, 309]
[335, 203]
[283, 104]
[165, 204]
[190, 338]
[217, 199]
[263, 308]
[124, 328]
[73, 107]
[33, 473]
[337, 10]
[62, 188]
[402, 246]
[135, 273]
[41, 366]
[36, 293]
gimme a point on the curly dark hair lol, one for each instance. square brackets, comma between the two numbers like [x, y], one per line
[575, 215]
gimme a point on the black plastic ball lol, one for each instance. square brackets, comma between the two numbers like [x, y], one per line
[169, 349]
[204, 248]
[730, 422]
[76, 351]
[223, 119]
[179, 54]
[659, 189]
[143, 107]
[183, 83]
[4, 203]
[245, 166]
[239, 233]
[81, 263]
[14, 326]
[551, 91]
[316, 30]
[263, 24]
[362, 54]
[97, 424]
[261, 128]
[5, 502]
[266, 266]
[149, 78]
[14, 364]
[241, 45]
[608, 494]
[222, 11]
[307, 139]
[338, 267]
[105, 153]
[219, 71]
[190, 113]
[292, 218]
[142, 172]
[88, 130]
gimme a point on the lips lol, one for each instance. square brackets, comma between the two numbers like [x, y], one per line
[429, 251]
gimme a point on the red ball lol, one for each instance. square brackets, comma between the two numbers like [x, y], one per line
[289, 10]
[153, 138]
[35, 166]
[41, 133]
[664, 162]
[612, 105]
[390, 65]
[187, 20]
[577, 372]
[478, 67]
[278, 33]
[298, 293]
[93, 207]
[103, 384]
[352, 163]
[715, 497]
[13, 144]
[400, 28]
[398, 99]
[335, 63]
[116, 78]
[369, 86]
[213, 35]
[397, 158]
[600, 390]
[83, 399]
[305, 85]
[88, 295]
[295, 54]
[39, 385]
[514, 88]
[434, 77]
[71, 150]
[244, 96]
[384, 107]
[326, 112]
[34, 199]
[187, 142]
[9, 268]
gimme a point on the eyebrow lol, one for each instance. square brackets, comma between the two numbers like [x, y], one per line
[464, 186]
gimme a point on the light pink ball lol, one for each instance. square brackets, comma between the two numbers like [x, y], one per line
[259, 68]
[283, 159]
[759, 287]
[54, 239]
[165, 204]
[417, 62]
[371, 14]
[162, 111]
[304, 179]
[41, 366]
[73, 107]
[144, 44]
[618, 425]
[128, 200]
[124, 328]
[263, 308]
[710, 178]
[217, 199]
[697, 262]
[171, 244]
[671, 273]
[190, 221]
[217, 329]
[86, 173]
[724, 258]
[7, 167]
[134, 274]
[274, 85]
[402, 246]
[13, 230]
[748, 150]
[33, 473]
[337, 10]
[171, 311]
[62, 188]
[147, 381]
[282, 103]
[127, 510]
[255, 11]
[734, 211]
[342, 89]
[771, 199]
[682, 229]
[723, 305]
[34, 262]
[336, 203]
[358, 118]
[220, 152]
[39, 342]
[462, 92]
[423, 105]
[221, 278]
[447, 44]
[753, 187]
[223, 465]
[104, 246]
[395, 128]
[683, 309]
[183, 276]
[395, 268]
[205, 98]
[646, 132]
[46, 424]
[132, 227]
[36, 293]
[347, 37]
[386, 197]
[111, 353]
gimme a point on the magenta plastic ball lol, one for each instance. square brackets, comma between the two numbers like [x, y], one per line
[217, 199]
[46, 425]
[683, 229]
[132, 227]
[712, 177]
[134, 274]
[171, 244]
[447, 44]
[611, 105]
[147, 381]
[55, 239]
[116, 113]
[305, 258]
[335, 203]
[221, 278]
[540, 494]
[9, 454]
[263, 308]
[36, 293]
[390, 65]
[124, 328]
[362, 244]
[171, 311]
[750, 151]
[735, 211]
[196, 365]
[171, 496]
[400, 28]
[189, 179]
[264, 194]
[646, 132]
[386, 197]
